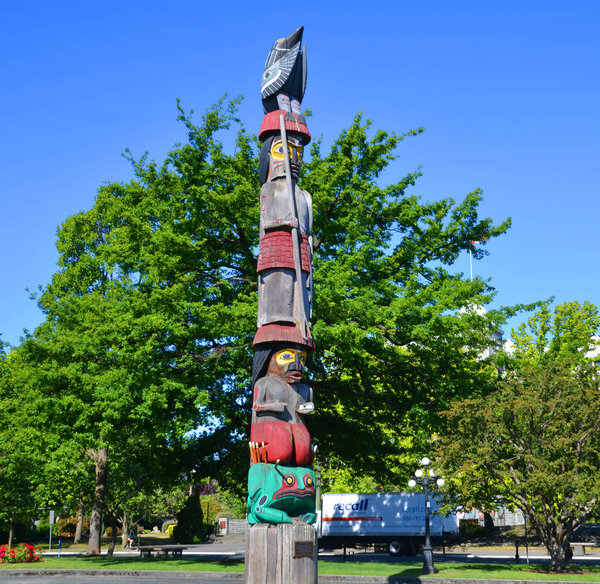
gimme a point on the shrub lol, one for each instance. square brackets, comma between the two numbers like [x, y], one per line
[233, 505]
[190, 526]
[67, 526]
[21, 553]
[470, 529]
[23, 530]
[43, 529]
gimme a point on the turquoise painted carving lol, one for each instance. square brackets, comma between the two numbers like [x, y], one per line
[279, 493]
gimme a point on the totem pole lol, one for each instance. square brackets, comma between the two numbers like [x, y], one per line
[281, 482]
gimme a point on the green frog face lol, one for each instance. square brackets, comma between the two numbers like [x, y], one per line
[278, 493]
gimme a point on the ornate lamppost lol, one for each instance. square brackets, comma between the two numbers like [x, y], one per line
[424, 476]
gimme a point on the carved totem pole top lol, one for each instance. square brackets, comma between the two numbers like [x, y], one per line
[281, 484]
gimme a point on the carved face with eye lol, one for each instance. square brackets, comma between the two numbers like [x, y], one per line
[278, 493]
[277, 160]
[288, 363]
[297, 484]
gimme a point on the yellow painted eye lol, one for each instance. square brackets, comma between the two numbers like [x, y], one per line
[289, 480]
[288, 355]
[277, 150]
[308, 481]
[285, 356]
[299, 150]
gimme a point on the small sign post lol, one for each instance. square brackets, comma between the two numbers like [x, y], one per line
[51, 524]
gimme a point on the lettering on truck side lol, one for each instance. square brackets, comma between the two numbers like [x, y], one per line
[362, 506]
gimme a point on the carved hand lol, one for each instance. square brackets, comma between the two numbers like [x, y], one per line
[278, 224]
[278, 407]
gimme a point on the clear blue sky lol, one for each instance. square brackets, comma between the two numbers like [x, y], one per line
[509, 94]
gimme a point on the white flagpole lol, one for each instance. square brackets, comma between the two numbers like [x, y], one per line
[471, 263]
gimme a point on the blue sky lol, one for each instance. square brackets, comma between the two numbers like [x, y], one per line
[508, 92]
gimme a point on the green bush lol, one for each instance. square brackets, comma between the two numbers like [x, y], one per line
[470, 529]
[190, 526]
[67, 526]
[43, 529]
[22, 531]
[231, 505]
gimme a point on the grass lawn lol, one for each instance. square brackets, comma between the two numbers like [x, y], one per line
[458, 570]
[409, 569]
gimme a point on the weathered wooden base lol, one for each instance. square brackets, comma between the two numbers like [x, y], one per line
[281, 554]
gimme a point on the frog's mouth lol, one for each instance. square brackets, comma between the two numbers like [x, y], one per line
[293, 493]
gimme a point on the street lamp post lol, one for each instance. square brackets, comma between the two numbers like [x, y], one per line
[426, 478]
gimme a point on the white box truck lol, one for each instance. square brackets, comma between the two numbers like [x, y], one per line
[396, 520]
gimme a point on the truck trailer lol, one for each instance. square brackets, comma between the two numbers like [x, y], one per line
[396, 520]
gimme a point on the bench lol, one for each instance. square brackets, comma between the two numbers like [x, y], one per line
[578, 547]
[175, 551]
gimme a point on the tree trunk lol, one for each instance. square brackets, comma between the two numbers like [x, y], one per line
[80, 517]
[556, 536]
[125, 527]
[488, 524]
[10, 533]
[113, 536]
[100, 458]
[558, 555]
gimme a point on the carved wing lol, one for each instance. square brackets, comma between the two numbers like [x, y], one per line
[285, 68]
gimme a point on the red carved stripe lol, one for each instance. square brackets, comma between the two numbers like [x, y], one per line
[280, 332]
[293, 123]
[352, 519]
[276, 251]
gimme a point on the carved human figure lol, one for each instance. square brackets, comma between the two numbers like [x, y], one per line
[279, 404]
[284, 306]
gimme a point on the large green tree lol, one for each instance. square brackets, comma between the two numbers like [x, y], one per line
[534, 441]
[145, 354]
[17, 504]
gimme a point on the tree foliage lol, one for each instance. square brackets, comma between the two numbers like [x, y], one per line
[20, 456]
[397, 337]
[144, 357]
[534, 442]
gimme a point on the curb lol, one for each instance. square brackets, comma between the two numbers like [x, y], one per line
[216, 576]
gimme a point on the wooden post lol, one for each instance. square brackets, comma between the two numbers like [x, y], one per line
[281, 554]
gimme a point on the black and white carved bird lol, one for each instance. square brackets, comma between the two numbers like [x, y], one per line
[284, 78]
